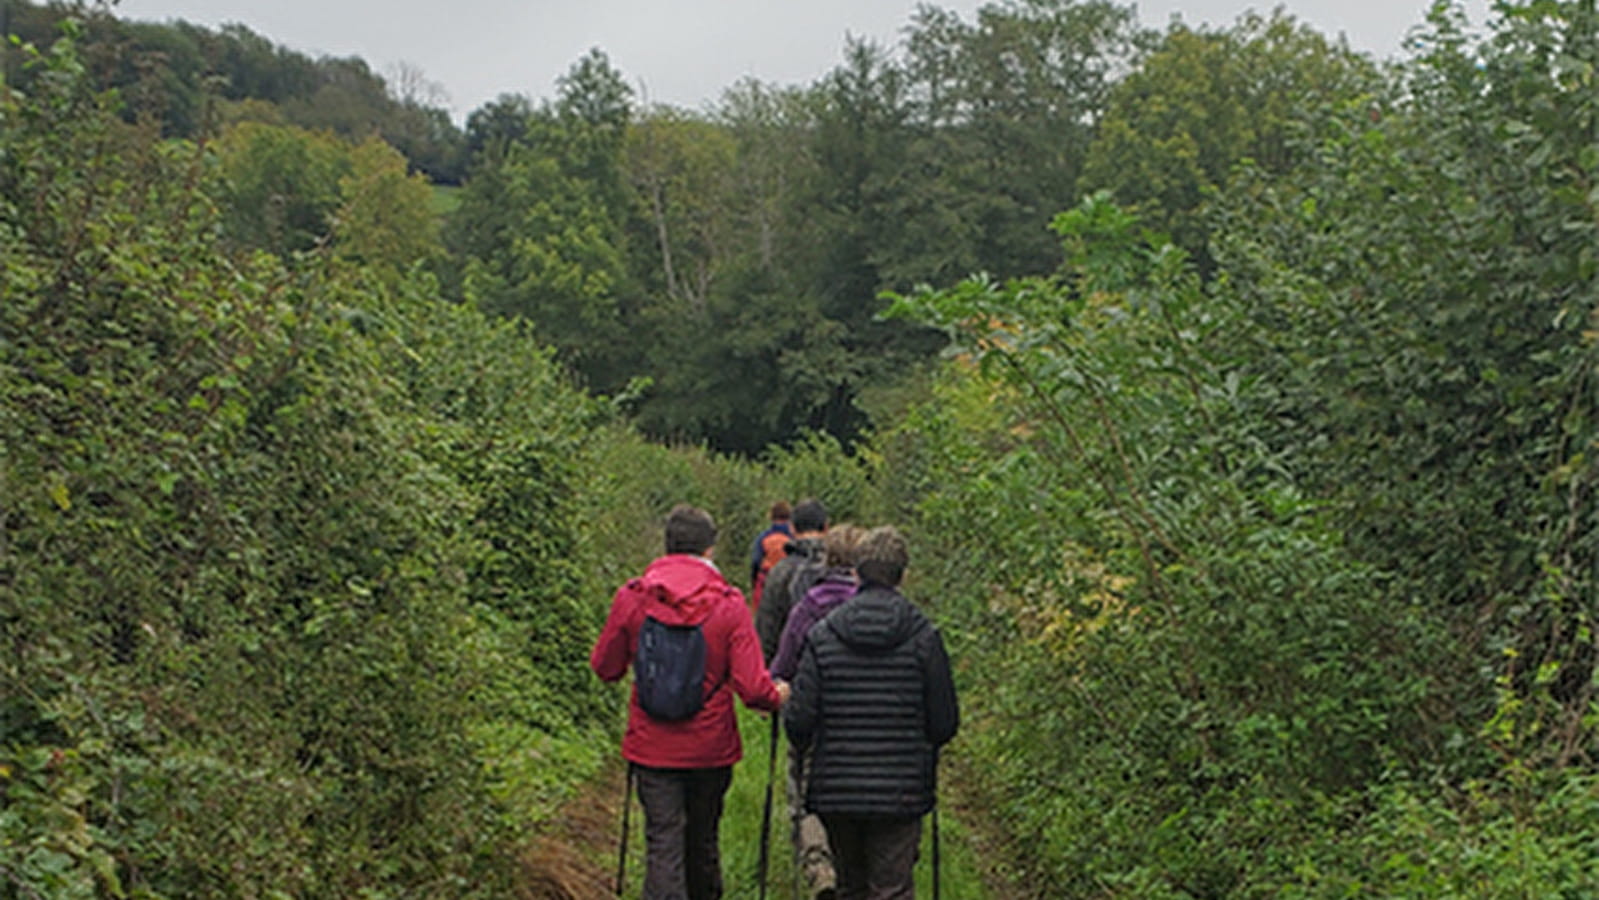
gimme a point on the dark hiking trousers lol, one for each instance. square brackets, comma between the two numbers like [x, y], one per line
[875, 858]
[682, 822]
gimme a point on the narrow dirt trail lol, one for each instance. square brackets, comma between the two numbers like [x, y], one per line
[575, 859]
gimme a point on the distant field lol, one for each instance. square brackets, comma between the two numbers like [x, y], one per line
[446, 197]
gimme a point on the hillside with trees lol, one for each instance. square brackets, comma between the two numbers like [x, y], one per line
[192, 80]
[1239, 394]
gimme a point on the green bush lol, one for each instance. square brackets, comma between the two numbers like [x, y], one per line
[638, 482]
[1473, 843]
[294, 578]
[1272, 582]
[818, 466]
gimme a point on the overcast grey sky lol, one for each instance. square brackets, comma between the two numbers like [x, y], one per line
[682, 52]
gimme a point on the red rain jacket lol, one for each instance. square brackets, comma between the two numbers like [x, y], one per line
[685, 589]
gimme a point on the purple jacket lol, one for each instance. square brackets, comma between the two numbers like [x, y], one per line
[825, 596]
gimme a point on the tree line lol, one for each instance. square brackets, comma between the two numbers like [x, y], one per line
[1255, 493]
[194, 80]
[735, 256]
[771, 220]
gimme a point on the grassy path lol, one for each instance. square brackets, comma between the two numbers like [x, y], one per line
[962, 876]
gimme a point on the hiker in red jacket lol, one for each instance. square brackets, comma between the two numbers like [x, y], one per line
[683, 768]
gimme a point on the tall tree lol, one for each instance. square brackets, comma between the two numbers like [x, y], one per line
[279, 185]
[385, 219]
[678, 168]
[420, 126]
[1015, 95]
[594, 106]
[539, 233]
[550, 258]
[751, 385]
[769, 126]
[494, 126]
[1204, 102]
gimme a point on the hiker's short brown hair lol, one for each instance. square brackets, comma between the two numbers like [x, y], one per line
[689, 529]
[840, 545]
[882, 556]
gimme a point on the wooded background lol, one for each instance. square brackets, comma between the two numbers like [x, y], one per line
[1238, 393]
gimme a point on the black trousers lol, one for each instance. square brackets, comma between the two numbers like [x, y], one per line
[682, 831]
[875, 858]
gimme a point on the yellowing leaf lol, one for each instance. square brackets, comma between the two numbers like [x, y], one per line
[61, 496]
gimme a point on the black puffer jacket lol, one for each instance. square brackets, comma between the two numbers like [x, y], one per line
[873, 701]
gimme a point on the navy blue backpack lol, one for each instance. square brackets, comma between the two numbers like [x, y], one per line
[669, 669]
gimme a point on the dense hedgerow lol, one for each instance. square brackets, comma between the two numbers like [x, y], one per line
[293, 591]
[1272, 583]
[1280, 583]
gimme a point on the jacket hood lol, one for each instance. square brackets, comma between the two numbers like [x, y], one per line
[832, 589]
[683, 587]
[876, 621]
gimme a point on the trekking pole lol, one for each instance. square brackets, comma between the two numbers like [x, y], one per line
[937, 859]
[621, 851]
[766, 812]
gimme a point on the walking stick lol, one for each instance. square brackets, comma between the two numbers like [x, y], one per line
[621, 851]
[766, 812]
[936, 855]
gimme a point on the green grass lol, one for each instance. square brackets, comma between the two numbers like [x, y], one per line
[446, 198]
[741, 831]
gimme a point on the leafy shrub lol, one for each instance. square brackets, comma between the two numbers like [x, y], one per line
[293, 576]
[1472, 843]
[1270, 583]
[639, 481]
[1142, 591]
[818, 466]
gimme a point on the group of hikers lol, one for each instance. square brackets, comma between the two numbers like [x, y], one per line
[858, 674]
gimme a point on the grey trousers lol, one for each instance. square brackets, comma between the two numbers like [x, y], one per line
[876, 858]
[682, 831]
